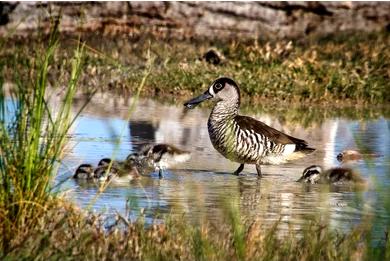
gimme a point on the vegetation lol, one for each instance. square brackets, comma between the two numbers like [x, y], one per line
[341, 70]
[32, 139]
[322, 72]
[64, 232]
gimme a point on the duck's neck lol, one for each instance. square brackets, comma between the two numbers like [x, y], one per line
[224, 110]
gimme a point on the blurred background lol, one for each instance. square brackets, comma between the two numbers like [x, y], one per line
[200, 19]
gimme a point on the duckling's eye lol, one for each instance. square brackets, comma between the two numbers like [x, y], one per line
[218, 86]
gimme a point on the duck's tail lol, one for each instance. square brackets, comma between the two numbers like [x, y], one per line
[306, 150]
[302, 146]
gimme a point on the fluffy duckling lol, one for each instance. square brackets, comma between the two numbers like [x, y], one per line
[159, 156]
[103, 173]
[118, 169]
[314, 174]
[106, 162]
[348, 155]
[351, 155]
[84, 171]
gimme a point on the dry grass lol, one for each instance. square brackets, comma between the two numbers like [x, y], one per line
[65, 232]
[340, 70]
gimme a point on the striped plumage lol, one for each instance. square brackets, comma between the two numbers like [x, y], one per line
[244, 139]
[243, 143]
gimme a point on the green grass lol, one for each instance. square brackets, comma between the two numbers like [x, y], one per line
[339, 70]
[32, 138]
[346, 69]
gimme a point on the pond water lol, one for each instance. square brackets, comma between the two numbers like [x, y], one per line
[197, 188]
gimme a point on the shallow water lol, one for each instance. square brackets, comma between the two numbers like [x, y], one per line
[199, 187]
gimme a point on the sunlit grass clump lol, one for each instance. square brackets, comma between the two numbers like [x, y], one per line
[65, 232]
[32, 138]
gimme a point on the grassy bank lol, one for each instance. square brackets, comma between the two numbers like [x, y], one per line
[340, 70]
[65, 232]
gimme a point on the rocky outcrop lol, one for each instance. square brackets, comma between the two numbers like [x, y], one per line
[201, 19]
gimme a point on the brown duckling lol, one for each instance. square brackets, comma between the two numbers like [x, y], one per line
[105, 162]
[348, 155]
[314, 174]
[352, 155]
[118, 169]
[159, 156]
[84, 171]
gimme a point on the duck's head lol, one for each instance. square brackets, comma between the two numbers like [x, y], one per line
[311, 174]
[222, 89]
[84, 171]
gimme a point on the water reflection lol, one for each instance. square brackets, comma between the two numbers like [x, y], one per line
[198, 187]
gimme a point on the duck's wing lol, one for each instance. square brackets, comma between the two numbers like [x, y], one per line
[162, 148]
[278, 137]
[175, 150]
[145, 149]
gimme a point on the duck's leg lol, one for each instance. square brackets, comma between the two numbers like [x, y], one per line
[160, 173]
[258, 168]
[238, 171]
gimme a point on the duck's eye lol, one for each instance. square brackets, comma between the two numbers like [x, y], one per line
[218, 86]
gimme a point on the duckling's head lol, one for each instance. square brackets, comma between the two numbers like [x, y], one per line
[133, 159]
[104, 162]
[104, 173]
[222, 89]
[311, 174]
[84, 171]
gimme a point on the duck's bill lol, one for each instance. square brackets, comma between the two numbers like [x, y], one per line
[195, 101]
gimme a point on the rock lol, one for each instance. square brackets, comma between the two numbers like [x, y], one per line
[212, 20]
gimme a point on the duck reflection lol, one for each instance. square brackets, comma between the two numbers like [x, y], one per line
[143, 131]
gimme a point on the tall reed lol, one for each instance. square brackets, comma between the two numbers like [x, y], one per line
[32, 138]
